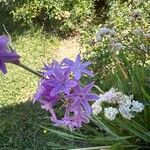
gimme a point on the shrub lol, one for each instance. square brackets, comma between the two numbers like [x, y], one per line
[67, 15]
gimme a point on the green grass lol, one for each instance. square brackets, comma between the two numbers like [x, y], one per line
[20, 120]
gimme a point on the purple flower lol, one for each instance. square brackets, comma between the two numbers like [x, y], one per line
[77, 67]
[60, 88]
[82, 96]
[43, 97]
[61, 81]
[49, 68]
[74, 121]
[6, 56]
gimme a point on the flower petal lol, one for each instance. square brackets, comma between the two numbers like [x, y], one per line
[70, 83]
[78, 59]
[67, 61]
[88, 87]
[92, 97]
[86, 106]
[77, 75]
[55, 91]
[3, 42]
[90, 73]
[86, 64]
[3, 67]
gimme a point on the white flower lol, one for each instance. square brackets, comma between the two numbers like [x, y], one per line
[143, 47]
[110, 96]
[147, 35]
[97, 110]
[136, 14]
[96, 107]
[98, 38]
[125, 111]
[117, 46]
[125, 100]
[110, 113]
[136, 106]
[103, 31]
[137, 31]
[125, 105]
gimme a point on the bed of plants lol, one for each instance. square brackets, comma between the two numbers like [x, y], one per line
[102, 98]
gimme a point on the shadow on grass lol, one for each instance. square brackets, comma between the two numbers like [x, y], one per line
[20, 128]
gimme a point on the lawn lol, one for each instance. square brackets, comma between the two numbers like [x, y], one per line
[20, 120]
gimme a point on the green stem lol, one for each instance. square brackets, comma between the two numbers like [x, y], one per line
[29, 69]
[99, 89]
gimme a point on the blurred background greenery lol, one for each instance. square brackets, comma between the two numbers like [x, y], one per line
[37, 27]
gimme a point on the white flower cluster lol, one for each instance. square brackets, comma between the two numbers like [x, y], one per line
[110, 113]
[136, 15]
[125, 105]
[139, 31]
[102, 32]
[115, 46]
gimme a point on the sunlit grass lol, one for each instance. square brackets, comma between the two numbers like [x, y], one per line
[35, 48]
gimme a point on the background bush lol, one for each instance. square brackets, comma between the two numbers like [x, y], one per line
[64, 15]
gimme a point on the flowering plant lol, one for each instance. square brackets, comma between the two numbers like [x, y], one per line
[59, 85]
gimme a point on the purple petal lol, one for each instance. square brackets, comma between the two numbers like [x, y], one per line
[78, 59]
[58, 72]
[90, 73]
[74, 96]
[77, 75]
[9, 56]
[70, 83]
[3, 67]
[86, 64]
[68, 61]
[66, 90]
[55, 91]
[3, 42]
[53, 83]
[87, 107]
[88, 87]
[92, 97]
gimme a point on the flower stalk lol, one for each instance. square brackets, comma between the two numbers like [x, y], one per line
[29, 69]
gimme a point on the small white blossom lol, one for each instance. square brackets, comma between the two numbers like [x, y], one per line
[143, 47]
[137, 31]
[136, 106]
[98, 38]
[110, 96]
[97, 110]
[136, 15]
[96, 107]
[112, 32]
[117, 46]
[110, 113]
[147, 35]
[125, 100]
[104, 31]
[125, 111]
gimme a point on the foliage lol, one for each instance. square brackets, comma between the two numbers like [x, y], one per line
[67, 15]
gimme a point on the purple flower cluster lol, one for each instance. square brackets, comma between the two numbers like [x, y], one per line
[61, 88]
[6, 56]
